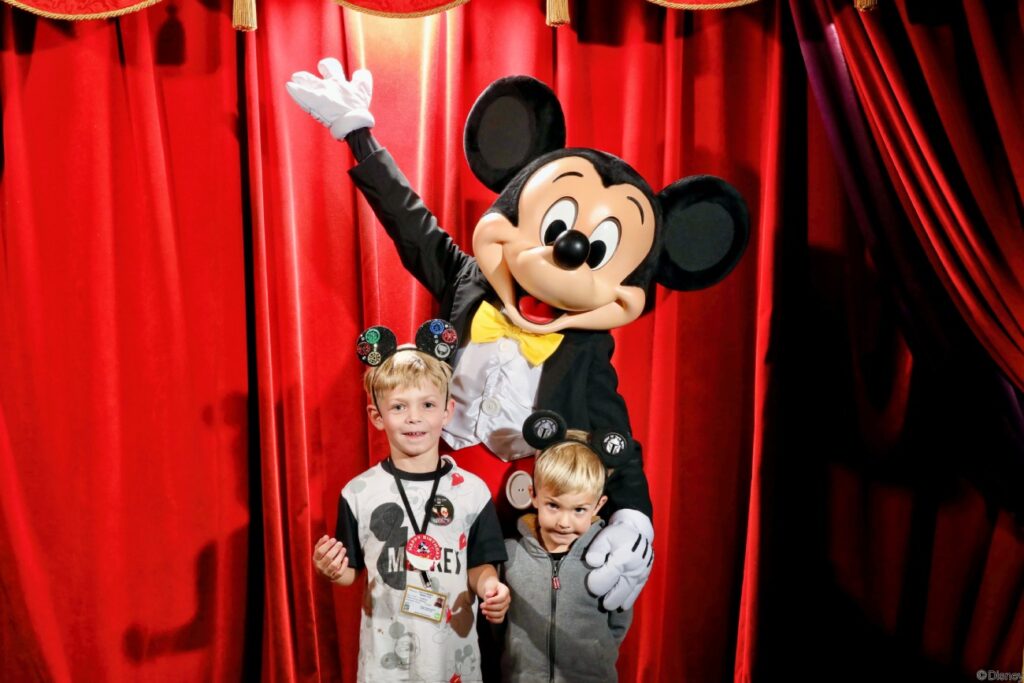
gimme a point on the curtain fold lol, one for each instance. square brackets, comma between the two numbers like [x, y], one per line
[943, 576]
[938, 93]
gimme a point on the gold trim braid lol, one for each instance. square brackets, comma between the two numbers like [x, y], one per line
[691, 5]
[401, 15]
[82, 17]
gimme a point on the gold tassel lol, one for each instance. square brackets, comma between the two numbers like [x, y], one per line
[865, 5]
[243, 17]
[558, 12]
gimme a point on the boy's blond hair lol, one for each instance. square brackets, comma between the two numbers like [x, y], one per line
[407, 368]
[570, 467]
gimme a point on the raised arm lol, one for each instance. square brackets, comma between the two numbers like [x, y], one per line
[343, 106]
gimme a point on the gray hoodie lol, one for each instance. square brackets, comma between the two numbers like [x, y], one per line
[556, 634]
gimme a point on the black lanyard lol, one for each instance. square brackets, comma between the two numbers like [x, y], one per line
[408, 507]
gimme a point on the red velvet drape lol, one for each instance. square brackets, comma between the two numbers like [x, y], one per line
[942, 88]
[123, 474]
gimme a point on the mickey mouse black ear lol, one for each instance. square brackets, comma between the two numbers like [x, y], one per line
[515, 120]
[375, 345]
[438, 338]
[706, 227]
[543, 428]
[611, 446]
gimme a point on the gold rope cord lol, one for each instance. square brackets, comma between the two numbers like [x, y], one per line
[692, 5]
[401, 15]
[82, 17]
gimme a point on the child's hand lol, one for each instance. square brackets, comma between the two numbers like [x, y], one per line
[496, 601]
[330, 558]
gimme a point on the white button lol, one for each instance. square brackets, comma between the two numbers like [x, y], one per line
[506, 348]
[490, 406]
[517, 490]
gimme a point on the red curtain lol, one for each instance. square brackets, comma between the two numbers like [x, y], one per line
[941, 88]
[123, 473]
[921, 484]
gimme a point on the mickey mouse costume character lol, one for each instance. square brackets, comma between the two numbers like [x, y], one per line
[567, 252]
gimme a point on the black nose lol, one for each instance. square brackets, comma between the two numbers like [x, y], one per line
[571, 249]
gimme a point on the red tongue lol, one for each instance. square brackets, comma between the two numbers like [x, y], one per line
[536, 311]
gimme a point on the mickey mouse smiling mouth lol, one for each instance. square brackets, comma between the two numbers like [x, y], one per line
[575, 241]
[533, 309]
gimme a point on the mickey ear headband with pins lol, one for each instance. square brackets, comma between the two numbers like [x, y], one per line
[435, 338]
[545, 428]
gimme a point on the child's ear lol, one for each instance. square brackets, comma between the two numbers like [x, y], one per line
[449, 410]
[600, 504]
[375, 419]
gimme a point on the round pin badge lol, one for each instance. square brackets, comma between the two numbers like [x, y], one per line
[612, 447]
[423, 551]
[543, 428]
[442, 512]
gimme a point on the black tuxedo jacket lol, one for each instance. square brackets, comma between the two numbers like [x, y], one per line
[577, 380]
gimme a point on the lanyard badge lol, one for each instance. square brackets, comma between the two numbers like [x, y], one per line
[422, 551]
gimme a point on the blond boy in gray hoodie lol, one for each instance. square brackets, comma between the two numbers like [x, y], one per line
[557, 631]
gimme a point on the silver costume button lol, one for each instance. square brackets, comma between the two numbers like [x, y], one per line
[490, 406]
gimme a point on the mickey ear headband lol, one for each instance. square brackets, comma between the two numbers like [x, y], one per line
[546, 428]
[435, 338]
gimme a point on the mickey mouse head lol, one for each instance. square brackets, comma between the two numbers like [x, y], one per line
[545, 428]
[576, 237]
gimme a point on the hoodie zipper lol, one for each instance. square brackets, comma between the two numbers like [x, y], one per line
[555, 585]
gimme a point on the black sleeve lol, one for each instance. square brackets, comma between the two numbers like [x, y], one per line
[627, 486]
[362, 143]
[485, 544]
[347, 531]
[427, 251]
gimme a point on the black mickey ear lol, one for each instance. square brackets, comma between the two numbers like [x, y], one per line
[375, 345]
[705, 226]
[543, 428]
[515, 120]
[437, 338]
[613, 447]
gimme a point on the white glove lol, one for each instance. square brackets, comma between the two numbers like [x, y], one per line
[340, 104]
[622, 554]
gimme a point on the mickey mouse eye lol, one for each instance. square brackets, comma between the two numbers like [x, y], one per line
[559, 218]
[603, 243]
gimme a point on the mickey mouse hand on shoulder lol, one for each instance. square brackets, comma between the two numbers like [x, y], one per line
[570, 250]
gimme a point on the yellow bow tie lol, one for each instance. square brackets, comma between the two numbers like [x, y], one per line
[490, 325]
